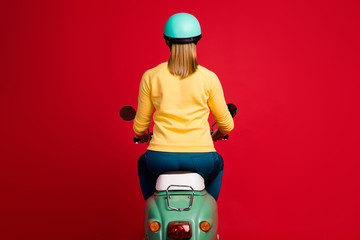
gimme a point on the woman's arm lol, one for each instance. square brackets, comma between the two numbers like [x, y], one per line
[145, 107]
[219, 108]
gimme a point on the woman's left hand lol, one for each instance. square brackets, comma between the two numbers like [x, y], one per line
[143, 138]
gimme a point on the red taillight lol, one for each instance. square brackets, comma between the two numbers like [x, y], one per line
[179, 230]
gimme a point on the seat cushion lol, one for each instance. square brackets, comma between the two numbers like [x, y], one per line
[189, 179]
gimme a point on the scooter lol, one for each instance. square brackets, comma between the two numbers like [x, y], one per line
[181, 208]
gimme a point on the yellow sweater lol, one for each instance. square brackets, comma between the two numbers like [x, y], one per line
[181, 110]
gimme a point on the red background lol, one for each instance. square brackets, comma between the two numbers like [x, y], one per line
[68, 164]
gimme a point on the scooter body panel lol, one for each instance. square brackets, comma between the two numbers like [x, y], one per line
[204, 208]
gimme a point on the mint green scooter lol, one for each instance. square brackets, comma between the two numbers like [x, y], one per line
[180, 208]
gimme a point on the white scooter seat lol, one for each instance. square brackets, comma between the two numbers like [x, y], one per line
[180, 178]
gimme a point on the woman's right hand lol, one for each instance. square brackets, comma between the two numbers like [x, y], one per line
[217, 135]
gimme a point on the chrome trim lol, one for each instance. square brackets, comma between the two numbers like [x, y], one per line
[190, 196]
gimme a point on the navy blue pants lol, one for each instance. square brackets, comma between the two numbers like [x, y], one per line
[209, 165]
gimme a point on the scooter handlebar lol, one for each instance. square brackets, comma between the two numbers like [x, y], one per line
[141, 140]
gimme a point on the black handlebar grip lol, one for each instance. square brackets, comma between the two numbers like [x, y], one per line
[226, 137]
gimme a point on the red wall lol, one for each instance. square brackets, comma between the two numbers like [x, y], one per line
[68, 164]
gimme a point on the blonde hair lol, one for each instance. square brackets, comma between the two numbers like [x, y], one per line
[182, 61]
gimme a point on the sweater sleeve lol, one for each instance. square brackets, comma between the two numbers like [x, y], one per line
[145, 107]
[218, 106]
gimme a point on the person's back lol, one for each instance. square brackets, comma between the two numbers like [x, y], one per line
[181, 109]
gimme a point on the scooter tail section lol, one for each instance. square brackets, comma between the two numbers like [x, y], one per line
[199, 222]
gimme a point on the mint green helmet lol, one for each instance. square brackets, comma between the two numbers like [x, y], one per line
[182, 28]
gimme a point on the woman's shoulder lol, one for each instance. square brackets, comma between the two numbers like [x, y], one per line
[157, 69]
[205, 71]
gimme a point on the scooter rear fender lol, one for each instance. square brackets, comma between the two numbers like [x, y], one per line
[204, 208]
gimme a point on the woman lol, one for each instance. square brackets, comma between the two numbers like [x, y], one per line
[181, 91]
